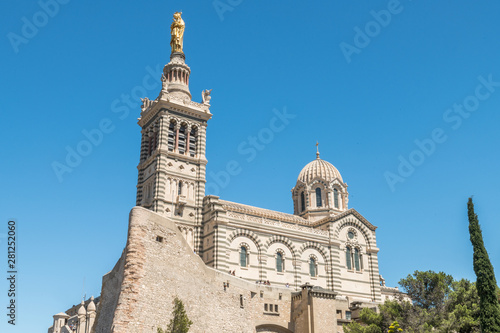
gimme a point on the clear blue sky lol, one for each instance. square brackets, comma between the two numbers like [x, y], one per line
[366, 107]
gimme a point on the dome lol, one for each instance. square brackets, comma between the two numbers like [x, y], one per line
[319, 169]
[81, 310]
[91, 305]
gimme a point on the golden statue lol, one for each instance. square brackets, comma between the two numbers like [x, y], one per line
[177, 33]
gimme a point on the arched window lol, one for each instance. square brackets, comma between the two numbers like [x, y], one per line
[348, 257]
[356, 259]
[313, 267]
[152, 142]
[179, 190]
[336, 198]
[171, 136]
[243, 257]
[182, 139]
[279, 262]
[302, 202]
[193, 136]
[318, 197]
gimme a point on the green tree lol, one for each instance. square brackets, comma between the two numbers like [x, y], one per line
[180, 322]
[489, 309]
[462, 308]
[429, 291]
[358, 328]
[371, 321]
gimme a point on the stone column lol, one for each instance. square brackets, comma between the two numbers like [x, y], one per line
[176, 148]
[188, 129]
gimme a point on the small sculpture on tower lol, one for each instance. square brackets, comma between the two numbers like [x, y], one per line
[205, 95]
[177, 33]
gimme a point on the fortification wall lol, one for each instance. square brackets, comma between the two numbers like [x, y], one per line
[157, 265]
[110, 292]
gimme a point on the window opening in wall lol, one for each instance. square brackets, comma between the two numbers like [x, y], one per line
[241, 300]
[192, 142]
[302, 202]
[318, 197]
[279, 262]
[171, 137]
[152, 142]
[348, 257]
[313, 268]
[159, 239]
[182, 139]
[356, 259]
[275, 307]
[348, 315]
[243, 257]
[280, 296]
[265, 307]
[179, 190]
[336, 198]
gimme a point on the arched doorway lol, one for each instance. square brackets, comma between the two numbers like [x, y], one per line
[272, 328]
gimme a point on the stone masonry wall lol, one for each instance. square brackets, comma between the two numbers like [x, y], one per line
[157, 265]
[110, 292]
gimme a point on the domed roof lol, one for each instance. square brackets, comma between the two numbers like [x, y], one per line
[81, 310]
[91, 305]
[319, 169]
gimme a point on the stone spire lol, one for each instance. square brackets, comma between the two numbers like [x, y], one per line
[82, 318]
[91, 314]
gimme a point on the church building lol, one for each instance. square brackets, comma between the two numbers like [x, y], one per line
[237, 268]
[323, 243]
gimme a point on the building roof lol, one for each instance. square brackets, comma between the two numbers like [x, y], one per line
[251, 210]
[351, 211]
[319, 169]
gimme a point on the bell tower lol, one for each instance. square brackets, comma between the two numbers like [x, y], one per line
[172, 162]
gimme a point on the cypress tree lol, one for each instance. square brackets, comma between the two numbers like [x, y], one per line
[489, 309]
[180, 323]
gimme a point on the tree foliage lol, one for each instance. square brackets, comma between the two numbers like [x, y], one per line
[428, 289]
[180, 322]
[489, 308]
[439, 303]
[455, 312]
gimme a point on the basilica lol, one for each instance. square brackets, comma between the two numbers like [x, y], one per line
[236, 267]
[323, 243]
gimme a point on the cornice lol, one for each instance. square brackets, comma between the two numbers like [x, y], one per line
[183, 106]
[262, 212]
[351, 211]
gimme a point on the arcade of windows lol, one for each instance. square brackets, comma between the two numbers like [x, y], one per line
[182, 139]
[354, 259]
[280, 261]
[319, 199]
